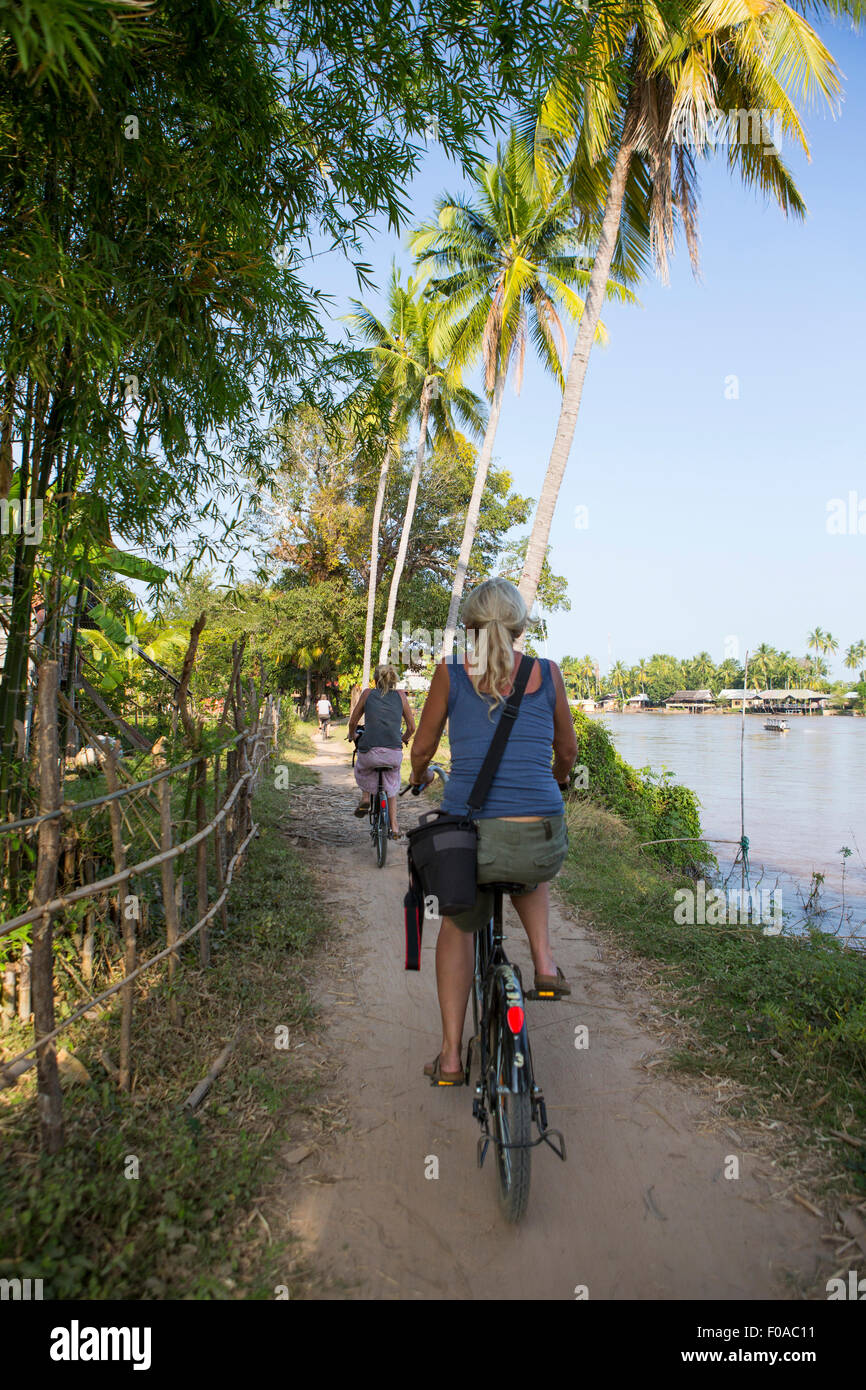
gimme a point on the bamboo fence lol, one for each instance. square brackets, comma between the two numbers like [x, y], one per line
[225, 827]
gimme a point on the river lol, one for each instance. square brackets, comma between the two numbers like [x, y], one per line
[805, 795]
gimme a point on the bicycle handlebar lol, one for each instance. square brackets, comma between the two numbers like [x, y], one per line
[417, 788]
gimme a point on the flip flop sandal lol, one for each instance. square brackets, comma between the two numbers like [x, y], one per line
[395, 834]
[550, 986]
[438, 1077]
[363, 809]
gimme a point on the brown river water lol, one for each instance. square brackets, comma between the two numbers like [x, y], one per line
[805, 796]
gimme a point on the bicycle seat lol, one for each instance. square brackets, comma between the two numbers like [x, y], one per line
[504, 887]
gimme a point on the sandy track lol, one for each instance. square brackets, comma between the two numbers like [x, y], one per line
[641, 1209]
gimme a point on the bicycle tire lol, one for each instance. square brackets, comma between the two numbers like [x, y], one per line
[380, 833]
[512, 1124]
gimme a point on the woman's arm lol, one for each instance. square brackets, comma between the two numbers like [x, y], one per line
[356, 714]
[564, 737]
[408, 715]
[430, 726]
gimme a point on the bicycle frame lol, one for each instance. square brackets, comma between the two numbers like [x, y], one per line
[378, 817]
[494, 972]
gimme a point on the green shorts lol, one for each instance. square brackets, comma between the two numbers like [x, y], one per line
[527, 852]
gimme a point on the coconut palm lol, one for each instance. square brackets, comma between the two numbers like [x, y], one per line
[762, 662]
[402, 348]
[816, 644]
[855, 657]
[618, 678]
[630, 138]
[505, 263]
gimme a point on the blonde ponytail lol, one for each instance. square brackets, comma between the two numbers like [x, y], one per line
[497, 614]
[385, 677]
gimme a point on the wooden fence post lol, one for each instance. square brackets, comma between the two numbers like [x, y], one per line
[24, 1009]
[219, 841]
[128, 921]
[201, 851]
[8, 994]
[167, 873]
[49, 1100]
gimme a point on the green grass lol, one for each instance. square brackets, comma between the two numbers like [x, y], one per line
[180, 1229]
[784, 1015]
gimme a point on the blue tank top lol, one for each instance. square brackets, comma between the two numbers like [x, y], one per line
[523, 784]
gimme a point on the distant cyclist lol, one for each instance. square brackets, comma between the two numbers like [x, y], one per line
[383, 711]
[324, 711]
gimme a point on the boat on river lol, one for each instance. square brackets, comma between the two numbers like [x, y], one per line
[776, 726]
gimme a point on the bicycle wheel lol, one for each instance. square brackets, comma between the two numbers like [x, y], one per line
[512, 1124]
[379, 823]
[382, 838]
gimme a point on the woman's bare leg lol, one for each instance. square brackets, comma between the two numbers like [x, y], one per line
[392, 813]
[533, 909]
[455, 962]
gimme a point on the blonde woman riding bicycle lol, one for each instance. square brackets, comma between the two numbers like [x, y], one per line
[521, 827]
[384, 710]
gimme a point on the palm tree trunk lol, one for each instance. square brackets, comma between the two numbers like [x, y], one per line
[374, 564]
[571, 396]
[407, 526]
[474, 511]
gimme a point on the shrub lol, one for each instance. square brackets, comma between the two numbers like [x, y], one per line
[649, 802]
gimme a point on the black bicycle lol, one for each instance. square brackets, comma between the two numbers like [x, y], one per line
[380, 821]
[506, 1091]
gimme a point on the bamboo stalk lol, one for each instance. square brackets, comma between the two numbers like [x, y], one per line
[168, 896]
[24, 983]
[49, 1100]
[128, 924]
[9, 992]
[88, 874]
[201, 853]
[219, 842]
[198, 1093]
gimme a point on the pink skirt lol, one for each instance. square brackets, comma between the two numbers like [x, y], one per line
[368, 779]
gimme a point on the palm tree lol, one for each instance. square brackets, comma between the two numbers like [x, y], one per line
[624, 137]
[855, 656]
[816, 644]
[504, 264]
[617, 678]
[402, 347]
[703, 667]
[762, 661]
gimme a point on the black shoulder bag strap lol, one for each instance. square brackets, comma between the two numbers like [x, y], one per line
[484, 780]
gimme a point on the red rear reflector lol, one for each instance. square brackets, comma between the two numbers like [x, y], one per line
[515, 1019]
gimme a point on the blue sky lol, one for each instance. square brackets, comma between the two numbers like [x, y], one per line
[707, 515]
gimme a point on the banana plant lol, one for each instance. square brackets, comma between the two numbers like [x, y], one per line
[116, 644]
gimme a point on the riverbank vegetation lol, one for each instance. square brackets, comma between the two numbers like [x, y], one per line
[661, 675]
[778, 1022]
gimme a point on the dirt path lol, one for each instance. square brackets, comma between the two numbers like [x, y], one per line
[642, 1208]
